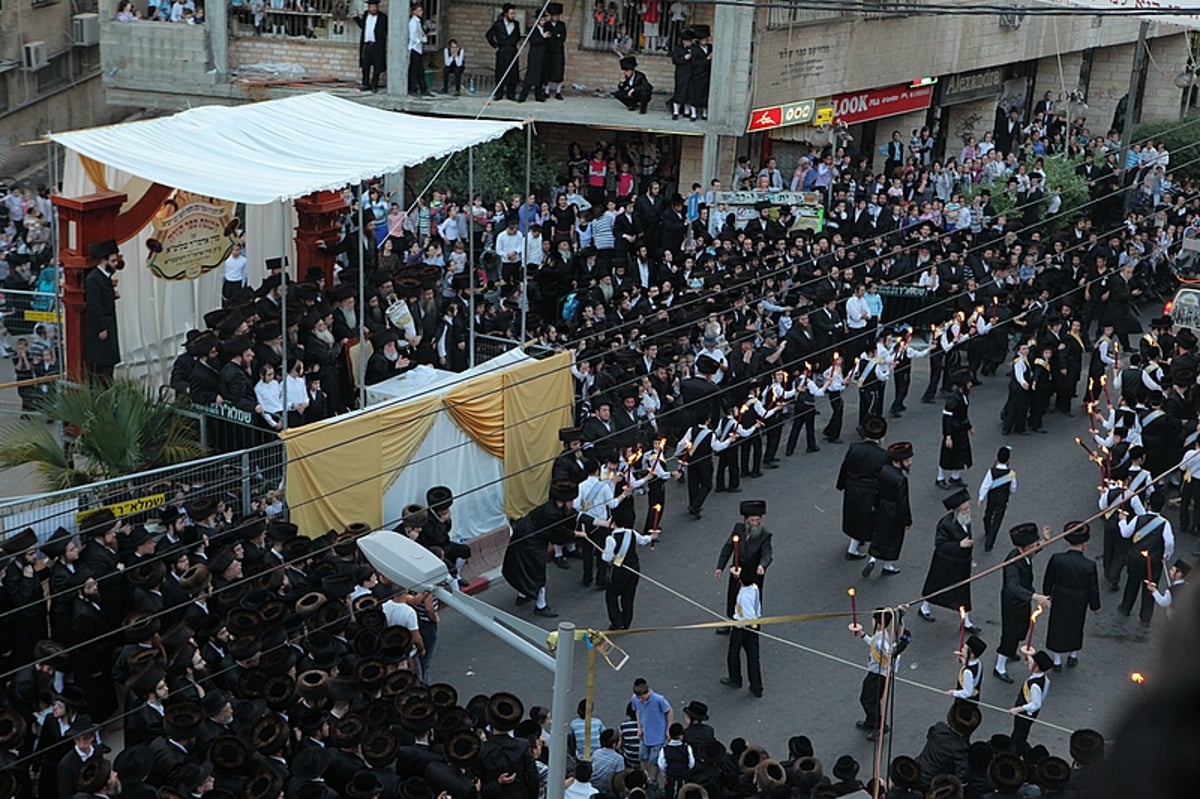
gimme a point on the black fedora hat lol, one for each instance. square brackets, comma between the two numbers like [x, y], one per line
[905, 772]
[93, 776]
[1007, 772]
[310, 763]
[443, 695]
[696, 710]
[182, 720]
[134, 763]
[379, 747]
[363, 785]
[262, 784]
[379, 713]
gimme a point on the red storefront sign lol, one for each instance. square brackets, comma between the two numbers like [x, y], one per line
[777, 116]
[865, 106]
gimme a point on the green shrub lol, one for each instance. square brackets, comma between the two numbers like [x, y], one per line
[1183, 143]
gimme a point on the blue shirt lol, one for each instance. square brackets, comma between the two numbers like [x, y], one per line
[652, 714]
[693, 207]
[577, 729]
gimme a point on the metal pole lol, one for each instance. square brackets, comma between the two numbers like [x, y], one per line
[1135, 85]
[560, 714]
[362, 299]
[471, 252]
[283, 315]
[525, 243]
[468, 610]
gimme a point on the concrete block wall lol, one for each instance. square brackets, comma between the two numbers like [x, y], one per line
[1110, 82]
[154, 55]
[72, 108]
[319, 59]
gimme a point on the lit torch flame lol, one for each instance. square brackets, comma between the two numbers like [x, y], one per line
[1036, 612]
[1138, 678]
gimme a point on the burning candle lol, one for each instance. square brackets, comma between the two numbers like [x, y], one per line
[962, 626]
[654, 519]
[1104, 385]
[1032, 624]
[1086, 448]
[1140, 679]
[1091, 387]
[1149, 566]
[736, 539]
[853, 606]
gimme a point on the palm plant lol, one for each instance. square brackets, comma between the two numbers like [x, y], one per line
[113, 431]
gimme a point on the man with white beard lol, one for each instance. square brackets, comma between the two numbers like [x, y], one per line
[386, 360]
[345, 316]
[951, 564]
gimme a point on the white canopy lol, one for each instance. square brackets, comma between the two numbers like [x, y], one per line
[276, 150]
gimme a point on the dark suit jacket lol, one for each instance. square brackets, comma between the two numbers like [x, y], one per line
[68, 772]
[204, 383]
[237, 387]
[100, 315]
[381, 30]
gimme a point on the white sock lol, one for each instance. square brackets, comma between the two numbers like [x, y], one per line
[926, 609]
[956, 475]
[674, 108]
[558, 551]
[458, 565]
[967, 620]
[1074, 654]
[541, 598]
[1057, 659]
[941, 473]
[1001, 663]
[853, 548]
[888, 565]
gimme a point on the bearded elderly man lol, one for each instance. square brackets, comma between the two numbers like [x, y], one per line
[749, 546]
[386, 361]
[951, 564]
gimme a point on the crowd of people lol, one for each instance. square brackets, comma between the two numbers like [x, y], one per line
[243, 655]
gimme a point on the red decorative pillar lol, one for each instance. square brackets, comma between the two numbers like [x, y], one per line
[318, 219]
[82, 221]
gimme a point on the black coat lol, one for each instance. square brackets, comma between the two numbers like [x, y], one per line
[858, 480]
[556, 52]
[893, 515]
[956, 425]
[524, 566]
[751, 552]
[1073, 585]
[204, 383]
[237, 388]
[681, 57]
[951, 564]
[502, 754]
[945, 752]
[1016, 596]
[700, 76]
[67, 773]
[100, 315]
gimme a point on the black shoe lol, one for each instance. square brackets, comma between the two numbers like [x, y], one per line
[1114, 588]
[789, 453]
[870, 567]
[757, 694]
[863, 725]
[888, 572]
[558, 95]
[973, 630]
[855, 556]
[926, 400]
[957, 482]
[562, 563]
[521, 600]
[547, 612]
[735, 491]
[694, 511]
[731, 683]
[1002, 677]
[813, 449]
[771, 465]
[1073, 661]
[718, 491]
[942, 484]
[1057, 668]
[1123, 612]
[722, 631]
[986, 548]
[924, 615]
[894, 414]
[674, 117]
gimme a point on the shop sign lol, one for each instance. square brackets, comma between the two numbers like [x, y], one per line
[192, 235]
[824, 115]
[975, 85]
[126, 508]
[780, 116]
[865, 106]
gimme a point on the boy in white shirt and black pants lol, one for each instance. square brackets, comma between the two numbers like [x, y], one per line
[745, 637]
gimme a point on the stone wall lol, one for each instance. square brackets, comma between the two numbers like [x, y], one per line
[319, 59]
[154, 57]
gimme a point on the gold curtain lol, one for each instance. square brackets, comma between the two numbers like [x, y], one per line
[538, 397]
[333, 471]
[401, 429]
[477, 406]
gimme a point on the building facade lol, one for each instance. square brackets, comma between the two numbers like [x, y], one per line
[783, 79]
[49, 75]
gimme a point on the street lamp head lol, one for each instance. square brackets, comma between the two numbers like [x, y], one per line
[403, 561]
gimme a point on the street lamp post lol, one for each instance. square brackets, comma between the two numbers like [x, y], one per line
[408, 564]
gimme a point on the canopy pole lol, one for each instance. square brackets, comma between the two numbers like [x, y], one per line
[525, 243]
[283, 310]
[471, 250]
[362, 299]
[52, 174]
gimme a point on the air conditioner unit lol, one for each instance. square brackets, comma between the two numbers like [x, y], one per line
[87, 29]
[35, 56]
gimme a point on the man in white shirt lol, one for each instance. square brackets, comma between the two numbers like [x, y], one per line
[416, 52]
[234, 273]
[510, 246]
[399, 612]
[595, 501]
[372, 45]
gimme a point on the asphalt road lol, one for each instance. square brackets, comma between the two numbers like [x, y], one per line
[812, 684]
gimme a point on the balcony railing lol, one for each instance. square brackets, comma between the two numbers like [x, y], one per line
[325, 20]
[613, 22]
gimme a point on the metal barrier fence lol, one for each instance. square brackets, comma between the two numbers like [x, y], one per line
[224, 428]
[244, 482]
[488, 347]
[35, 318]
